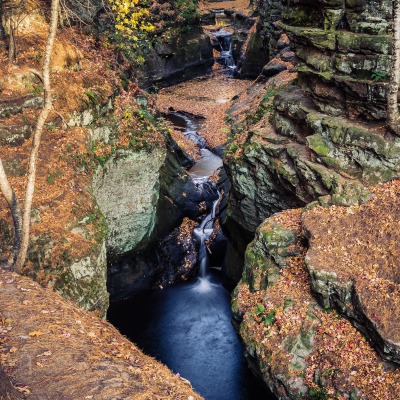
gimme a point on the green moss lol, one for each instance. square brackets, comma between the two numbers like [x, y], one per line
[234, 307]
[317, 144]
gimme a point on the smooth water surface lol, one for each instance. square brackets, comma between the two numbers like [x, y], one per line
[188, 328]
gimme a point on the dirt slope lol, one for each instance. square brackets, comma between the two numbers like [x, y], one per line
[54, 350]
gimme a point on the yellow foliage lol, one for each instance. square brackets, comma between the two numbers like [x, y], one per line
[130, 16]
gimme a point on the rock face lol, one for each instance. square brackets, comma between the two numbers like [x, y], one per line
[127, 191]
[188, 56]
[359, 273]
[143, 198]
[319, 140]
[312, 142]
[260, 47]
[345, 48]
[285, 301]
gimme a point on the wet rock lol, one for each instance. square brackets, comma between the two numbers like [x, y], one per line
[164, 262]
[283, 42]
[273, 68]
[255, 56]
[287, 56]
[178, 255]
[217, 248]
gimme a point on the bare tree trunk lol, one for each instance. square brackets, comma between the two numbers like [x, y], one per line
[15, 209]
[393, 115]
[30, 188]
[12, 54]
[2, 13]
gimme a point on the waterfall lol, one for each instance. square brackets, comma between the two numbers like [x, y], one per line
[203, 232]
[225, 43]
[200, 173]
[222, 41]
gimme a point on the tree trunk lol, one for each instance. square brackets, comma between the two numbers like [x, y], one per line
[30, 187]
[15, 209]
[393, 116]
[12, 53]
[2, 13]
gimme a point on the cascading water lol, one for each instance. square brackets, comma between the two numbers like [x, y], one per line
[226, 49]
[188, 326]
[203, 232]
[222, 42]
[200, 174]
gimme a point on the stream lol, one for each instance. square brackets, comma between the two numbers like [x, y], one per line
[188, 326]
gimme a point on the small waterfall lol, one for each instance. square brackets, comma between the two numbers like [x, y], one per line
[222, 41]
[203, 232]
[221, 18]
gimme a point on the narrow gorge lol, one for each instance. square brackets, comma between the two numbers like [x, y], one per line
[218, 184]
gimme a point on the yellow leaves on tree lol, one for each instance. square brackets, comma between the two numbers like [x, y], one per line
[131, 18]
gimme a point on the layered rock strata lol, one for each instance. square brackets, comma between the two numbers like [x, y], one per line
[322, 137]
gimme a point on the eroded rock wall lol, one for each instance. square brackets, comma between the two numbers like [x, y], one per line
[319, 139]
[345, 50]
[323, 136]
[177, 60]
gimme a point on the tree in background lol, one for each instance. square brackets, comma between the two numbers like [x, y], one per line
[130, 18]
[21, 238]
[393, 115]
[13, 12]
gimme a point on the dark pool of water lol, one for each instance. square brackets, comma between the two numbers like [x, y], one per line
[188, 328]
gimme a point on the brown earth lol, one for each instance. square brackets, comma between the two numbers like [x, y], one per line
[66, 163]
[359, 246]
[52, 349]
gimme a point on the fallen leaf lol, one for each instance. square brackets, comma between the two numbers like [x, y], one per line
[35, 334]
[46, 353]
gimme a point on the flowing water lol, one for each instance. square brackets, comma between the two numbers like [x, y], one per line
[222, 41]
[188, 327]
